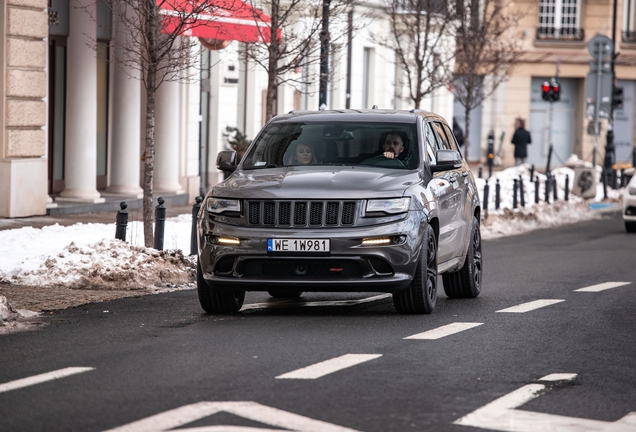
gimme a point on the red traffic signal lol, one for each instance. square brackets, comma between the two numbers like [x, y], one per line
[551, 92]
[556, 92]
[545, 91]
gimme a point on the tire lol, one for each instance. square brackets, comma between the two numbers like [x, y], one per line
[421, 295]
[213, 301]
[466, 283]
[285, 294]
[630, 227]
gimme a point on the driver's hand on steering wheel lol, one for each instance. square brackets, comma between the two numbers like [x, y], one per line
[389, 154]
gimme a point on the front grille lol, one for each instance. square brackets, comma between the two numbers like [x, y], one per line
[301, 213]
[328, 268]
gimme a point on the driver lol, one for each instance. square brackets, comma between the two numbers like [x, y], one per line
[392, 146]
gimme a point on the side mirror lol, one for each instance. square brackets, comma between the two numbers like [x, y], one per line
[447, 160]
[226, 160]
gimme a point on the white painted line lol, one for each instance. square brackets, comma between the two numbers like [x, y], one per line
[446, 330]
[169, 420]
[602, 287]
[328, 366]
[558, 377]
[502, 415]
[37, 379]
[526, 307]
[296, 303]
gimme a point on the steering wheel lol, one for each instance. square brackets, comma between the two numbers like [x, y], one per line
[382, 161]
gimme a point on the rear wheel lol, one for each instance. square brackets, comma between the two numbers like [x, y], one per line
[421, 295]
[630, 227]
[466, 283]
[213, 301]
[285, 294]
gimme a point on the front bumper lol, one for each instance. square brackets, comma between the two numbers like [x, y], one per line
[350, 266]
[629, 207]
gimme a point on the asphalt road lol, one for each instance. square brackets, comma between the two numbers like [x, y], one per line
[153, 354]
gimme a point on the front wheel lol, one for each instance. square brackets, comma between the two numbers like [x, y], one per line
[213, 301]
[421, 295]
[466, 282]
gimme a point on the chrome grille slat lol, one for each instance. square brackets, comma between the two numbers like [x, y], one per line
[314, 213]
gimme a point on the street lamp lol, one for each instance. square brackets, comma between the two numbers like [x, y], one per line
[324, 56]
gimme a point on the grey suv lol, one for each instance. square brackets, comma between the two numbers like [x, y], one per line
[342, 201]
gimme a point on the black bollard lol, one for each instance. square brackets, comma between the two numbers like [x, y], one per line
[567, 188]
[486, 191]
[480, 172]
[536, 190]
[623, 184]
[522, 194]
[604, 179]
[121, 221]
[554, 188]
[497, 194]
[547, 189]
[532, 172]
[515, 186]
[160, 223]
[194, 248]
[614, 178]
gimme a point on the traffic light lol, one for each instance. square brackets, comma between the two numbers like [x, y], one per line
[617, 97]
[556, 91]
[545, 91]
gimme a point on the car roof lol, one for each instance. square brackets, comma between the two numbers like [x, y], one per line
[369, 115]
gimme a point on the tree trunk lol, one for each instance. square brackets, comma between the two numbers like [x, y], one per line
[466, 133]
[271, 99]
[150, 158]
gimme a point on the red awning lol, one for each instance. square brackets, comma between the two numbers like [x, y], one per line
[216, 19]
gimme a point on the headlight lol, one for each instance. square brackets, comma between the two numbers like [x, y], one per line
[390, 206]
[631, 190]
[220, 205]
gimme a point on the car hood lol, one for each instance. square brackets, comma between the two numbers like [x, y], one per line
[317, 183]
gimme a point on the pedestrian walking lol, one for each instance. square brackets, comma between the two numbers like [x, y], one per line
[520, 140]
[458, 132]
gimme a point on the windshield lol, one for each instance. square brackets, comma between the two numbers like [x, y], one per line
[390, 145]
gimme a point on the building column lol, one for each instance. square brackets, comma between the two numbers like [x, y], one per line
[167, 116]
[80, 159]
[126, 127]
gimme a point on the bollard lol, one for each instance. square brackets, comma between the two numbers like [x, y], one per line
[515, 186]
[480, 172]
[614, 178]
[497, 195]
[121, 221]
[160, 223]
[547, 189]
[554, 189]
[486, 191]
[194, 249]
[532, 172]
[522, 194]
[536, 190]
[604, 179]
[567, 188]
[622, 176]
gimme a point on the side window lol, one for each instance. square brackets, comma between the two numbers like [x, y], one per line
[451, 138]
[445, 143]
[430, 143]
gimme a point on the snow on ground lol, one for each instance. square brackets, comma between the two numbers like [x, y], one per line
[87, 256]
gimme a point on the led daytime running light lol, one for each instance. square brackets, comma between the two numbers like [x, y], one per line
[376, 241]
[228, 241]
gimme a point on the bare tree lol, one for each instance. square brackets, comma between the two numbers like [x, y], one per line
[151, 43]
[297, 24]
[487, 48]
[420, 38]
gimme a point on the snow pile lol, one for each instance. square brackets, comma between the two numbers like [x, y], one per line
[10, 317]
[86, 256]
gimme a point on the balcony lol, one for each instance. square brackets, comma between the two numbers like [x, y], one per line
[561, 34]
[629, 36]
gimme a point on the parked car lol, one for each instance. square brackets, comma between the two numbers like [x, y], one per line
[629, 203]
[343, 201]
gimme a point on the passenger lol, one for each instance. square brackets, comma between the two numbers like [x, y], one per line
[301, 154]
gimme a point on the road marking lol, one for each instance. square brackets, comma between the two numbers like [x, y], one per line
[446, 330]
[296, 303]
[502, 415]
[602, 287]
[249, 410]
[328, 366]
[37, 379]
[527, 307]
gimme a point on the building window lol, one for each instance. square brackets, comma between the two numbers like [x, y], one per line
[560, 20]
[629, 35]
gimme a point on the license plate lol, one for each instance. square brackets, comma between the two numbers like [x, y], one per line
[297, 245]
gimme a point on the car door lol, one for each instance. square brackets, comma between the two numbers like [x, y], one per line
[452, 233]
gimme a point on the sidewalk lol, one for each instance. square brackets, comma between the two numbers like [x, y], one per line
[70, 219]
